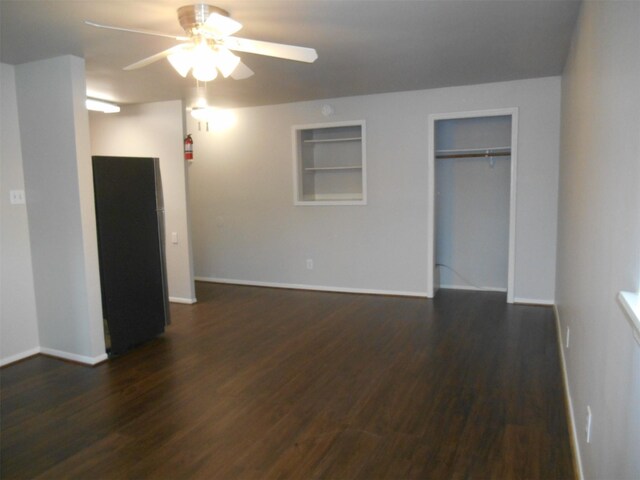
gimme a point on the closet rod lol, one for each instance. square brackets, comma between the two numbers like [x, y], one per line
[468, 155]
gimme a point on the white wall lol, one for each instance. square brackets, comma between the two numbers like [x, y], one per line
[155, 130]
[18, 316]
[599, 233]
[54, 135]
[246, 228]
[472, 204]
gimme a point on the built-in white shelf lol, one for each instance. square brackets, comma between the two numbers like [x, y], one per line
[332, 199]
[329, 164]
[328, 169]
[333, 140]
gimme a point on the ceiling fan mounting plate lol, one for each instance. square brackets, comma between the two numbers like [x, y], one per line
[191, 17]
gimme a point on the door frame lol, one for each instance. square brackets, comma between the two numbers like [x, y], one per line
[431, 183]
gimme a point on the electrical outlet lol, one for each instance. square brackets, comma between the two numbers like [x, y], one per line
[587, 427]
[567, 337]
[309, 264]
[16, 197]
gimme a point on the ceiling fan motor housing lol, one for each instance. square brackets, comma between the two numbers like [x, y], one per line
[191, 17]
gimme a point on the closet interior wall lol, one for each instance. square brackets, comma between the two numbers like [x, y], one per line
[472, 202]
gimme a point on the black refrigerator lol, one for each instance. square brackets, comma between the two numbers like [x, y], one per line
[130, 224]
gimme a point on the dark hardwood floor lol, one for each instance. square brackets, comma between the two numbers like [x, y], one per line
[266, 383]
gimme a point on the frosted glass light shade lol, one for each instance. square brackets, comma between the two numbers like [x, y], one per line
[204, 63]
[205, 72]
[226, 61]
[182, 61]
[218, 118]
[200, 113]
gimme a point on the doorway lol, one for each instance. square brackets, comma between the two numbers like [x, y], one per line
[472, 195]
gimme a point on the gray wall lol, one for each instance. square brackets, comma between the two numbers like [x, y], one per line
[54, 133]
[472, 204]
[155, 130]
[246, 228]
[18, 316]
[599, 233]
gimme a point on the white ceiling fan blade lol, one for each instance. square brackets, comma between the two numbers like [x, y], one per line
[279, 50]
[221, 26]
[143, 32]
[158, 56]
[241, 72]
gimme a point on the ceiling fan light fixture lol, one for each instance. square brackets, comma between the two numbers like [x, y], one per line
[204, 62]
[208, 45]
[181, 61]
[226, 61]
[204, 72]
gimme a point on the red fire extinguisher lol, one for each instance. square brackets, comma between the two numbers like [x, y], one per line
[188, 148]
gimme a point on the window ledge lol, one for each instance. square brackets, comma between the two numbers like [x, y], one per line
[631, 305]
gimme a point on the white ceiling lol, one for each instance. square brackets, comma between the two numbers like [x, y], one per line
[364, 47]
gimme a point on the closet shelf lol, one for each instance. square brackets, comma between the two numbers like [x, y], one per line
[474, 152]
[346, 167]
[332, 140]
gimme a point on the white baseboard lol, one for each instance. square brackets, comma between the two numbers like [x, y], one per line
[19, 356]
[475, 289]
[533, 301]
[321, 288]
[54, 353]
[187, 301]
[573, 432]
[74, 357]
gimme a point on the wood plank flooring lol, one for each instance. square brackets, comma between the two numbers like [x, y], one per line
[256, 383]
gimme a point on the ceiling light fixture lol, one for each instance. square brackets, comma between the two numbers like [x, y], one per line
[200, 113]
[101, 106]
[216, 118]
[204, 61]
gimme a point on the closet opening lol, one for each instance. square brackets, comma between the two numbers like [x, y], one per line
[472, 183]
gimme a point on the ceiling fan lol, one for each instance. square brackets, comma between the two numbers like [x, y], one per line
[206, 49]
